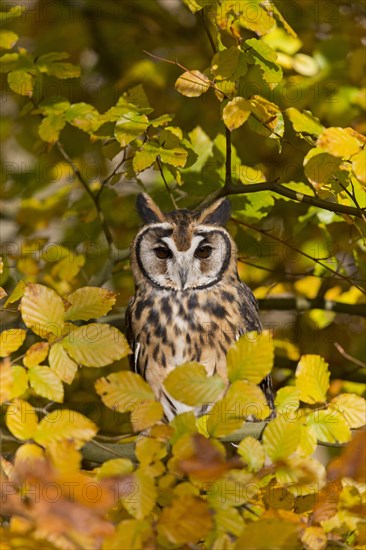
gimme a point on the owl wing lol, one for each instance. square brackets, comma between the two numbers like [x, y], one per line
[133, 358]
[250, 317]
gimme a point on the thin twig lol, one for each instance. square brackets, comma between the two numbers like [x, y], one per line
[292, 247]
[77, 173]
[108, 178]
[165, 182]
[300, 303]
[348, 356]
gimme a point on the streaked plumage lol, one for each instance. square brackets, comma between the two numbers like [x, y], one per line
[189, 303]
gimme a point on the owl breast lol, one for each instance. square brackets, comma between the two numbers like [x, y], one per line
[175, 328]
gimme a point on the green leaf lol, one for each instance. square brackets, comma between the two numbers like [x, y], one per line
[287, 400]
[61, 364]
[251, 357]
[8, 39]
[252, 453]
[42, 311]
[11, 340]
[236, 112]
[89, 302]
[59, 70]
[16, 294]
[225, 63]
[329, 426]
[83, 116]
[161, 120]
[175, 157]
[281, 438]
[263, 49]
[321, 168]
[129, 127]
[21, 419]
[305, 122]
[50, 127]
[96, 344]
[46, 384]
[144, 496]
[64, 424]
[192, 84]
[144, 158]
[268, 117]
[190, 384]
[14, 12]
[21, 82]
[353, 408]
[8, 62]
[312, 379]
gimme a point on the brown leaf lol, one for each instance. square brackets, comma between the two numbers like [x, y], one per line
[352, 461]
[207, 463]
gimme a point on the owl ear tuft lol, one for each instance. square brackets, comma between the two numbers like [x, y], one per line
[148, 211]
[218, 213]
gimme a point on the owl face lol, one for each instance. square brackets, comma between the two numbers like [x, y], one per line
[182, 250]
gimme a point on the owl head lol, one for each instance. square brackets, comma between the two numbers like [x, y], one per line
[183, 250]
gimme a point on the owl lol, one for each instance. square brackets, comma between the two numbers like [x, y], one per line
[189, 303]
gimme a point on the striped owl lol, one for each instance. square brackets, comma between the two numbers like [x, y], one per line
[189, 303]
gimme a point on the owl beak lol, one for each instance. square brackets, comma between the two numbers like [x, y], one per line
[183, 275]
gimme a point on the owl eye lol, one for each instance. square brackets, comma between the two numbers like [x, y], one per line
[203, 252]
[162, 252]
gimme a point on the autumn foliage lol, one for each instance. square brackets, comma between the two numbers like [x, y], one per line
[247, 99]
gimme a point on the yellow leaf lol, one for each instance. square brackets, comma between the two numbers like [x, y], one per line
[20, 381]
[308, 286]
[115, 467]
[287, 400]
[329, 426]
[29, 455]
[89, 302]
[6, 381]
[251, 357]
[268, 533]
[124, 391]
[96, 344]
[359, 166]
[11, 340]
[43, 311]
[36, 354]
[314, 538]
[130, 533]
[339, 142]
[61, 364]
[64, 456]
[192, 84]
[187, 520]
[190, 384]
[301, 476]
[307, 443]
[46, 384]
[281, 438]
[141, 500]
[145, 415]
[64, 424]
[236, 112]
[312, 379]
[21, 419]
[252, 453]
[353, 408]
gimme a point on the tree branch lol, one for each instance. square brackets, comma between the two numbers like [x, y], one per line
[95, 199]
[234, 189]
[305, 304]
[292, 247]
